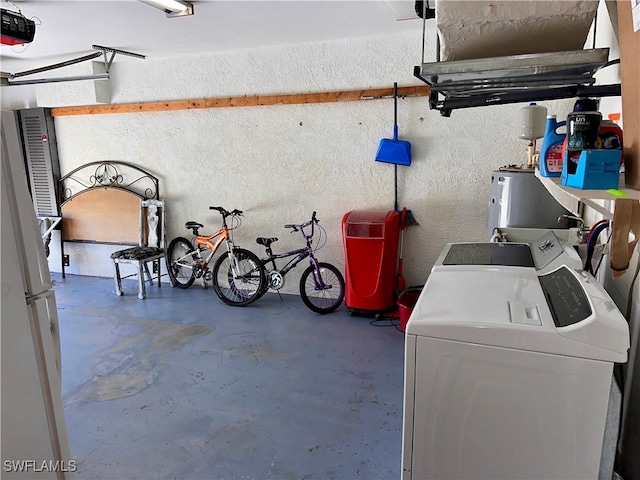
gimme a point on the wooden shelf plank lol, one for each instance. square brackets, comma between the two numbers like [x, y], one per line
[570, 198]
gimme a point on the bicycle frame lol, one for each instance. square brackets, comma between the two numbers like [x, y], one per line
[300, 254]
[206, 242]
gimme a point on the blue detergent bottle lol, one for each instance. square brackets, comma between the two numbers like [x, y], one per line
[551, 157]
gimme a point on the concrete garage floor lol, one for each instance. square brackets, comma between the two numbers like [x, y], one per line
[182, 386]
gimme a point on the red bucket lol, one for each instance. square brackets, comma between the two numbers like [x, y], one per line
[406, 301]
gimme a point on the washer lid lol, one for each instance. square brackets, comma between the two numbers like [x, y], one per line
[514, 254]
[506, 307]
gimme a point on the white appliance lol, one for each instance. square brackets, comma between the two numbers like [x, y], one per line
[508, 367]
[34, 436]
[518, 199]
[553, 244]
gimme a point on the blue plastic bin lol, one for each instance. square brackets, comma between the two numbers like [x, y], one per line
[593, 170]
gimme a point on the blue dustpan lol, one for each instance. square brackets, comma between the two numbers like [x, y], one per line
[392, 150]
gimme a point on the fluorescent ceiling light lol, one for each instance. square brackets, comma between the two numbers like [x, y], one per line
[173, 8]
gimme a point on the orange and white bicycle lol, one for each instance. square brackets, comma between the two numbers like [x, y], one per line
[238, 276]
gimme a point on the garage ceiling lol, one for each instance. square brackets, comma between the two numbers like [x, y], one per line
[68, 29]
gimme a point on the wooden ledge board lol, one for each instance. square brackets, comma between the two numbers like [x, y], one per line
[259, 100]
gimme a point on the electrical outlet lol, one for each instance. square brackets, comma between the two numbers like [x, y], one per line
[155, 267]
[65, 260]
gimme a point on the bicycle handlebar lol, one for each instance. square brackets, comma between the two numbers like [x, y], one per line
[225, 213]
[297, 227]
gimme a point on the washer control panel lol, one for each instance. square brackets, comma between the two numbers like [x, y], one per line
[566, 298]
[546, 249]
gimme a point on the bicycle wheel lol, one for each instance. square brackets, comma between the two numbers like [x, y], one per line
[180, 262]
[324, 300]
[244, 288]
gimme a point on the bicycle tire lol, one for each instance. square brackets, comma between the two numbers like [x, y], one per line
[322, 301]
[266, 285]
[264, 290]
[182, 276]
[239, 292]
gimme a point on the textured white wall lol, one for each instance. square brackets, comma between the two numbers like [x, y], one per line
[279, 163]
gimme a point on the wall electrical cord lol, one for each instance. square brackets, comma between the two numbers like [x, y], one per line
[633, 282]
[386, 321]
[592, 239]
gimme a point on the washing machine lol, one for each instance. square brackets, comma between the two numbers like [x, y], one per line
[544, 250]
[549, 248]
[508, 367]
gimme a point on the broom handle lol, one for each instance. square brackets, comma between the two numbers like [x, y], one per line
[395, 104]
[395, 174]
[395, 138]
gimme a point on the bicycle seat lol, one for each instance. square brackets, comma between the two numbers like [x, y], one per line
[192, 225]
[266, 241]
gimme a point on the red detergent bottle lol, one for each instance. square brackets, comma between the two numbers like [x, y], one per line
[610, 134]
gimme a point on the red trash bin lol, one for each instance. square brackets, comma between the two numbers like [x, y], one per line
[371, 240]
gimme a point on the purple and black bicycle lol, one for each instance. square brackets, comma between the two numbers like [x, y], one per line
[321, 284]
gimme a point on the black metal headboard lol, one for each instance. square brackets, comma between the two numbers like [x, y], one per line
[108, 174]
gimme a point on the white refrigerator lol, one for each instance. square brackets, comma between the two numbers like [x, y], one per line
[34, 436]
